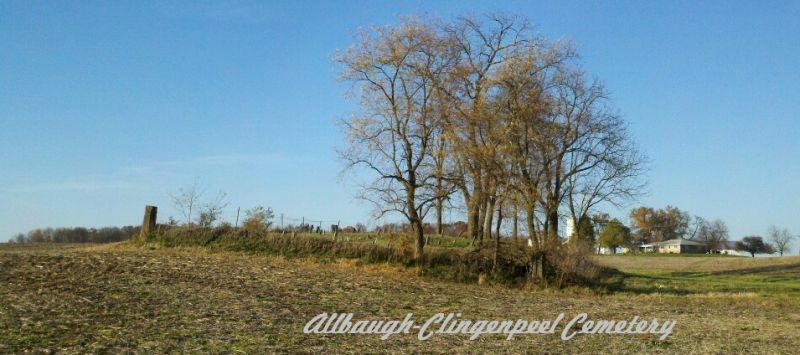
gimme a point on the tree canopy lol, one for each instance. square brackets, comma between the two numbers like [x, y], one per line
[754, 245]
[614, 235]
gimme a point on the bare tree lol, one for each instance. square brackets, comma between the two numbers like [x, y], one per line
[712, 234]
[781, 239]
[568, 147]
[696, 223]
[477, 48]
[393, 136]
[587, 155]
[523, 102]
[211, 211]
[602, 164]
[444, 186]
[187, 200]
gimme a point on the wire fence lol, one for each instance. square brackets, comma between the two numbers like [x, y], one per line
[283, 221]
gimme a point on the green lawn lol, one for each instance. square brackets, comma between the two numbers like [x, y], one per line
[777, 276]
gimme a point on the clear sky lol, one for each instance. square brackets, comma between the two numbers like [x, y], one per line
[108, 106]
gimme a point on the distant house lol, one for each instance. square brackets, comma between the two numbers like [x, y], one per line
[607, 250]
[675, 246]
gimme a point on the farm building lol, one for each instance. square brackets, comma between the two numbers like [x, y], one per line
[606, 250]
[675, 246]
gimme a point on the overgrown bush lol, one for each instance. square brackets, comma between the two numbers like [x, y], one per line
[572, 264]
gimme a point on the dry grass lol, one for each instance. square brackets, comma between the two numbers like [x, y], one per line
[118, 298]
[454, 262]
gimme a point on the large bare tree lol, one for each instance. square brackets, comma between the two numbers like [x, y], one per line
[392, 137]
[484, 106]
[477, 48]
[587, 157]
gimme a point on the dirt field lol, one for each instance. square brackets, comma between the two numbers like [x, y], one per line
[118, 298]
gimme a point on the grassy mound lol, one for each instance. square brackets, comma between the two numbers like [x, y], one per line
[513, 263]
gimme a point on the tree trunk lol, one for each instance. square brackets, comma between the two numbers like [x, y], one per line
[496, 251]
[552, 225]
[472, 217]
[531, 230]
[499, 220]
[489, 216]
[420, 237]
[439, 208]
[514, 229]
[481, 217]
[440, 154]
[415, 221]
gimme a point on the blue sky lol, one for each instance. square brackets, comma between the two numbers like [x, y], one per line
[108, 106]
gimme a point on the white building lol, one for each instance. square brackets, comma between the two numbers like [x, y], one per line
[570, 229]
[609, 251]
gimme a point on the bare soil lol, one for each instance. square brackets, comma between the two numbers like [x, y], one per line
[118, 298]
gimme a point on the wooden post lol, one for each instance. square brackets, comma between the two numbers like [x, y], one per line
[149, 221]
[336, 230]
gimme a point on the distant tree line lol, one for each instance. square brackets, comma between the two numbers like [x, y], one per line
[76, 235]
